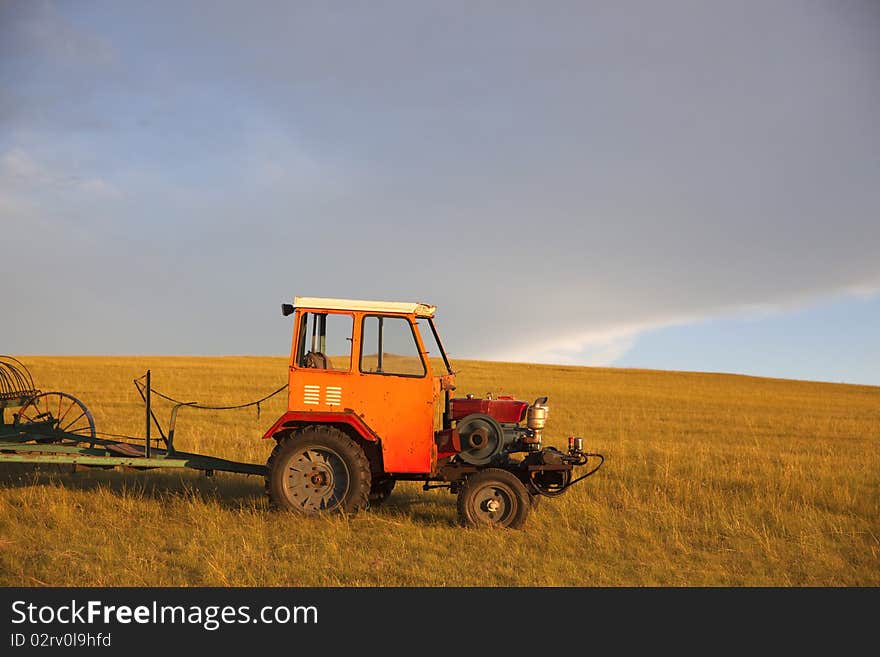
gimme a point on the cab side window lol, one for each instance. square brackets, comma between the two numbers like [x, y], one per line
[388, 346]
[325, 341]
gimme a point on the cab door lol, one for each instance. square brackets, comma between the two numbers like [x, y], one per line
[395, 391]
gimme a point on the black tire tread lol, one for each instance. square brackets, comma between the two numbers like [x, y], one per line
[358, 498]
[502, 476]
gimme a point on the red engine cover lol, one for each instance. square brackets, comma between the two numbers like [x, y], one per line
[506, 410]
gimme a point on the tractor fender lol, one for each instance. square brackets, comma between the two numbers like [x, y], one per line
[300, 418]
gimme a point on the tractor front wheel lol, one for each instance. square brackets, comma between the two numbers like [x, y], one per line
[318, 469]
[493, 497]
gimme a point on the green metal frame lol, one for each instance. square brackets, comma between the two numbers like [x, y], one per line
[19, 443]
[61, 454]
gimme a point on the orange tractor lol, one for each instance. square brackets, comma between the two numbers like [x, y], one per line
[370, 403]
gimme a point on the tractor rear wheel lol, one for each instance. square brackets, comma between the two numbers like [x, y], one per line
[493, 497]
[318, 469]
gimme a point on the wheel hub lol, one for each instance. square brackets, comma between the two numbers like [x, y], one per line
[494, 497]
[493, 503]
[317, 479]
[320, 479]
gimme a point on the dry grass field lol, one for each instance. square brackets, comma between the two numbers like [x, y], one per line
[710, 480]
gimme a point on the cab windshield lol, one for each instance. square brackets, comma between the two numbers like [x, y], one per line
[431, 340]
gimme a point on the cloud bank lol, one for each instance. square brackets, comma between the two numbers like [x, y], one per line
[556, 181]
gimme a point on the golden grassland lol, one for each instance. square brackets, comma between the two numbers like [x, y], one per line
[710, 480]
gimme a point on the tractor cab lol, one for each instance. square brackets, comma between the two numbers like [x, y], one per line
[379, 364]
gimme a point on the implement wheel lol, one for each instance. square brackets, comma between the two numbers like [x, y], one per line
[316, 470]
[493, 497]
[55, 417]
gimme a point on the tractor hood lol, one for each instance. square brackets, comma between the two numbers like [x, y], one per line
[506, 410]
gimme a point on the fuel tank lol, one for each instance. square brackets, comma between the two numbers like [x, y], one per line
[506, 410]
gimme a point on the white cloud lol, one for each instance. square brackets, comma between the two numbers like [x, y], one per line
[595, 348]
[864, 290]
[606, 346]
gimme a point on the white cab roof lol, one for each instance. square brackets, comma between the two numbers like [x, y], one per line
[418, 309]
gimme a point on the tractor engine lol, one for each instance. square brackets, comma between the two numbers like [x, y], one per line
[490, 429]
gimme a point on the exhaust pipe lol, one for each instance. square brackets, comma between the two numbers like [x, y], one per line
[536, 420]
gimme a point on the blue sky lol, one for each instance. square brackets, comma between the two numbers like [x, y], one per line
[832, 341]
[684, 185]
